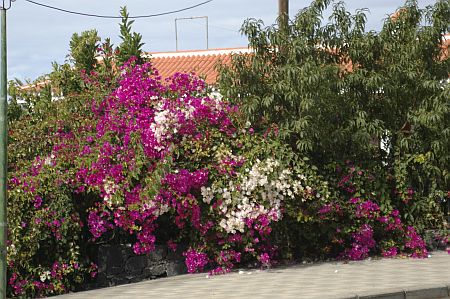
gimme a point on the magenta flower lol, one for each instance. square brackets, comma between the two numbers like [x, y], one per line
[195, 261]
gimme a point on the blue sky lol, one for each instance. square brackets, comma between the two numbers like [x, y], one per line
[37, 36]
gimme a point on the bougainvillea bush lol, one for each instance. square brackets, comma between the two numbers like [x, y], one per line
[171, 162]
[151, 162]
[364, 219]
[169, 153]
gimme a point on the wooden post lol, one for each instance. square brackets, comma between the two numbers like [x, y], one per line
[283, 14]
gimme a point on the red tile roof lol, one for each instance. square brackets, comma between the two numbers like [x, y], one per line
[204, 62]
[201, 62]
[445, 47]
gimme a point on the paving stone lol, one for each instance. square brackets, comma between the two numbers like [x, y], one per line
[375, 279]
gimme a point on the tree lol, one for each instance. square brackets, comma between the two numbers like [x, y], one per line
[131, 45]
[84, 49]
[336, 91]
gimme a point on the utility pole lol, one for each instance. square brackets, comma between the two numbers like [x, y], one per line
[6, 4]
[283, 26]
[283, 14]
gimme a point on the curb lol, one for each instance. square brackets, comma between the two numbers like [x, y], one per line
[434, 292]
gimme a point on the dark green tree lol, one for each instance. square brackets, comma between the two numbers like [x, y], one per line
[131, 45]
[337, 92]
[84, 49]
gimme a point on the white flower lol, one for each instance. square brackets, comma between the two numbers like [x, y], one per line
[44, 276]
[110, 189]
[263, 188]
[207, 194]
[216, 95]
[48, 161]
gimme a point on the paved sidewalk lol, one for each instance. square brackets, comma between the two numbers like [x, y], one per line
[382, 278]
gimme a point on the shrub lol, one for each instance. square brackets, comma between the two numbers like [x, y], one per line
[148, 162]
[337, 93]
[170, 162]
[138, 160]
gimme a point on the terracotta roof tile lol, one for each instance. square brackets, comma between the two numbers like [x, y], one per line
[203, 62]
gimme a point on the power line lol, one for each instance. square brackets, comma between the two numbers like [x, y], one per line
[116, 17]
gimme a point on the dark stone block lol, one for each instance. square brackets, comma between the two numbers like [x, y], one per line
[114, 281]
[118, 264]
[115, 270]
[158, 254]
[139, 278]
[114, 258]
[155, 271]
[175, 268]
[102, 279]
[91, 286]
[102, 260]
[176, 255]
[126, 250]
[136, 264]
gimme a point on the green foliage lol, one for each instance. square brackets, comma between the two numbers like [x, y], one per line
[316, 95]
[46, 236]
[131, 45]
[30, 106]
[48, 250]
[106, 67]
[84, 49]
[337, 93]
[31, 97]
[15, 109]
[65, 79]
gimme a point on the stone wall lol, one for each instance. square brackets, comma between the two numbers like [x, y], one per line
[118, 264]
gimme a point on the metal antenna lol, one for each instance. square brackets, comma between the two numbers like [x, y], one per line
[191, 18]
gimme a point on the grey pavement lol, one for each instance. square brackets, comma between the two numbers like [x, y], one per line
[377, 278]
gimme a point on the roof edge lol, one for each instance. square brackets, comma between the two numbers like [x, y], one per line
[218, 51]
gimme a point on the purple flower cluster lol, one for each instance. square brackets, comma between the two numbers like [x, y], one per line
[145, 113]
[367, 209]
[195, 261]
[183, 181]
[363, 242]
[17, 284]
[373, 231]
[415, 243]
[390, 252]
[138, 130]
[98, 223]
